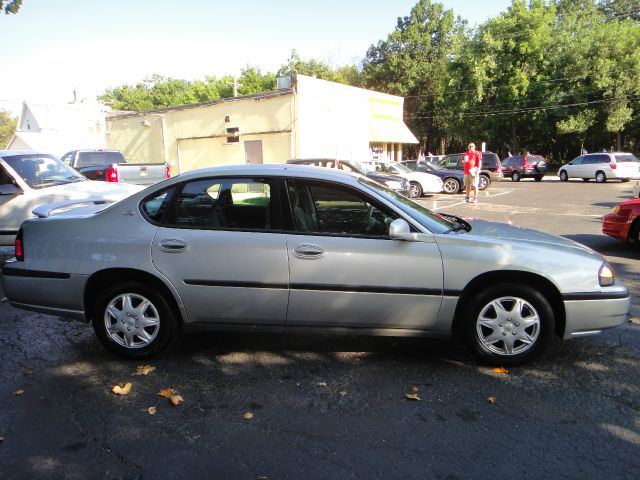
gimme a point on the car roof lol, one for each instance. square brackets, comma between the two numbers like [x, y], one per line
[9, 153]
[280, 169]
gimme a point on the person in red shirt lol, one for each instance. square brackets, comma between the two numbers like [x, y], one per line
[472, 161]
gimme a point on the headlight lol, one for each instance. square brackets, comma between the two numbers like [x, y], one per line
[606, 275]
[615, 209]
[392, 184]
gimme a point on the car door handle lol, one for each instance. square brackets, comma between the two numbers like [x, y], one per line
[308, 251]
[172, 245]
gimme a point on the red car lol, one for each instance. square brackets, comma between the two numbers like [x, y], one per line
[623, 222]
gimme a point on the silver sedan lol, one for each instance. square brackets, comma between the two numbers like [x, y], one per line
[289, 248]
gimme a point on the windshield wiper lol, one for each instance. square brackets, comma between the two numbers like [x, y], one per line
[458, 223]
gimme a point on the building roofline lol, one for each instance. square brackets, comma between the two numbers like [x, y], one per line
[255, 96]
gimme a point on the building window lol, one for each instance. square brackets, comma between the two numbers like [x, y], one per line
[233, 134]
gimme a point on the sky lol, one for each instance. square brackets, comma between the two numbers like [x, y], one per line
[50, 48]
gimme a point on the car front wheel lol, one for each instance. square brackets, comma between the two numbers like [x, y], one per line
[515, 176]
[563, 176]
[508, 324]
[133, 321]
[416, 190]
[538, 178]
[451, 185]
[483, 182]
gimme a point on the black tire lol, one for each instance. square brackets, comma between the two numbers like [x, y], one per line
[416, 190]
[538, 178]
[534, 321]
[624, 180]
[515, 176]
[483, 182]
[143, 340]
[451, 185]
[563, 176]
[634, 233]
[601, 177]
[586, 179]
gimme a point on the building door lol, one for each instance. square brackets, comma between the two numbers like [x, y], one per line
[253, 151]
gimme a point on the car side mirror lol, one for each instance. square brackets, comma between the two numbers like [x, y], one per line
[399, 229]
[9, 189]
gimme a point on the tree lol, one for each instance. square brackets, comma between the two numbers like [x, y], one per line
[578, 124]
[319, 69]
[12, 6]
[413, 62]
[7, 127]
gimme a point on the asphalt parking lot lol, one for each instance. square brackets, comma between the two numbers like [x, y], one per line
[289, 407]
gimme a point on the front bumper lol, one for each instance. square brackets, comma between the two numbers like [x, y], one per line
[593, 314]
[616, 226]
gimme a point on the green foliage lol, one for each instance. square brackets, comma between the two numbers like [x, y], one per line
[12, 6]
[7, 128]
[315, 68]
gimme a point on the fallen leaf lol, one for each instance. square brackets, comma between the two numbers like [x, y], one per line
[248, 416]
[500, 370]
[167, 392]
[322, 384]
[414, 388]
[18, 392]
[344, 393]
[144, 369]
[118, 390]
[412, 396]
[151, 410]
[176, 400]
[28, 373]
[491, 399]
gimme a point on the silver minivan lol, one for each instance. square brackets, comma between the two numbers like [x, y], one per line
[602, 167]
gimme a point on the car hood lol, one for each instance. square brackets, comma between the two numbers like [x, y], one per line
[513, 234]
[381, 177]
[92, 189]
[423, 177]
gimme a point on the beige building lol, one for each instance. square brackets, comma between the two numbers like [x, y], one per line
[304, 118]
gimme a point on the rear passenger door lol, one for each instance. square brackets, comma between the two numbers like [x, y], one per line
[222, 245]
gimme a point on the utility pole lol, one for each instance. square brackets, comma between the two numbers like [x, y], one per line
[235, 86]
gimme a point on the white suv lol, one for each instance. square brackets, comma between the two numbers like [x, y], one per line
[601, 166]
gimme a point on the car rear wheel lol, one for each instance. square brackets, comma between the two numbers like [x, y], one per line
[563, 176]
[508, 324]
[483, 182]
[515, 176]
[416, 189]
[600, 176]
[451, 185]
[538, 178]
[133, 321]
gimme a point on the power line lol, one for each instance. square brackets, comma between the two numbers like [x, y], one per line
[521, 110]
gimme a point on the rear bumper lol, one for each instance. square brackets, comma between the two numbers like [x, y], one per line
[53, 293]
[591, 316]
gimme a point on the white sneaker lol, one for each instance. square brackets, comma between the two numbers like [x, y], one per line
[475, 201]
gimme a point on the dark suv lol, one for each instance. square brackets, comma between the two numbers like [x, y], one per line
[491, 167]
[393, 182]
[524, 166]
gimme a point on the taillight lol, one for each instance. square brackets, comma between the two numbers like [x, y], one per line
[19, 247]
[112, 173]
[498, 168]
[167, 171]
[613, 166]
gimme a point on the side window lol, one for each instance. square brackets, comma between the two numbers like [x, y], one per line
[155, 207]
[241, 203]
[336, 210]
[67, 158]
[577, 161]
[600, 159]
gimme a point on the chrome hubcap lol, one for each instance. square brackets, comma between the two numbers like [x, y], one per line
[508, 326]
[450, 186]
[131, 320]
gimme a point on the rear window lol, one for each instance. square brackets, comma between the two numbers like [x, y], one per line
[87, 159]
[627, 157]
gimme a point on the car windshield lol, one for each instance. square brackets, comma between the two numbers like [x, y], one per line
[627, 157]
[42, 170]
[400, 168]
[432, 221]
